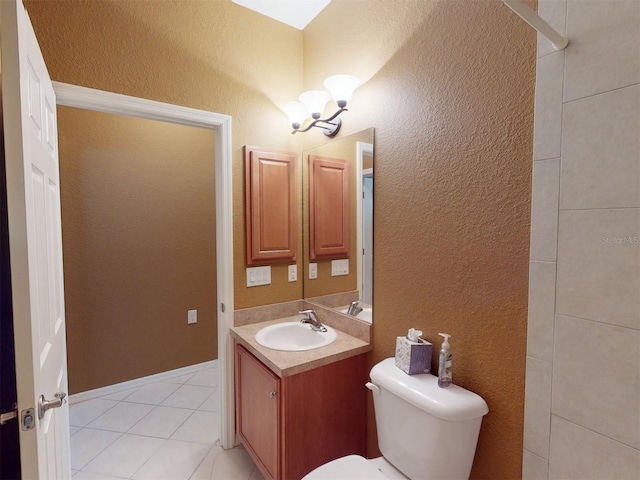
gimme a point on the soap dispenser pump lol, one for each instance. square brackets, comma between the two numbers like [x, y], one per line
[444, 365]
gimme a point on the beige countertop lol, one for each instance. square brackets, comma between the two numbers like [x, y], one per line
[285, 364]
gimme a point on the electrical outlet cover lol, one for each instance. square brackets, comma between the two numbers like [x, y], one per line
[293, 273]
[313, 271]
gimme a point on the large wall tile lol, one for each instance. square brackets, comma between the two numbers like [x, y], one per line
[534, 467]
[544, 210]
[554, 12]
[601, 151]
[596, 379]
[598, 268]
[542, 303]
[547, 120]
[537, 407]
[603, 51]
[580, 454]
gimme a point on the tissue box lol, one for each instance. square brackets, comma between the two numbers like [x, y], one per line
[413, 357]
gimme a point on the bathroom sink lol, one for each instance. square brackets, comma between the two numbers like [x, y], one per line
[366, 315]
[294, 337]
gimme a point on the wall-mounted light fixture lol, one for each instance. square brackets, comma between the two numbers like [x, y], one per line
[312, 105]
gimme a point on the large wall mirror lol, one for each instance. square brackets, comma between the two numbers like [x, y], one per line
[338, 281]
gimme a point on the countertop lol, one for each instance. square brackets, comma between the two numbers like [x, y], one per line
[285, 364]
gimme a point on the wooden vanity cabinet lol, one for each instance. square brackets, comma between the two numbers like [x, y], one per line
[294, 424]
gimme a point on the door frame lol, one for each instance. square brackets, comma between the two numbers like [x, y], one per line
[101, 101]
[362, 149]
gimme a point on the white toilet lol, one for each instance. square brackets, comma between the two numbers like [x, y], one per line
[424, 431]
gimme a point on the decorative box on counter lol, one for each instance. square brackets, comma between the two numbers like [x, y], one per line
[413, 354]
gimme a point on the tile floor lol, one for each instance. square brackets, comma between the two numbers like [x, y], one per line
[164, 430]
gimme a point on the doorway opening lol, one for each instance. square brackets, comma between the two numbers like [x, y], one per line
[220, 125]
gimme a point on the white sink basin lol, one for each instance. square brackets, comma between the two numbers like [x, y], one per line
[366, 315]
[294, 337]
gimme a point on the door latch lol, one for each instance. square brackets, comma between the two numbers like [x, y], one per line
[27, 417]
[10, 415]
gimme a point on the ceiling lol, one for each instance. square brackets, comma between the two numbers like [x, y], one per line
[296, 13]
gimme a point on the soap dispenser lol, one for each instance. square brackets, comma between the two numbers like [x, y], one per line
[444, 365]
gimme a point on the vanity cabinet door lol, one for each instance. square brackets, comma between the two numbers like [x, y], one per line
[271, 206]
[257, 411]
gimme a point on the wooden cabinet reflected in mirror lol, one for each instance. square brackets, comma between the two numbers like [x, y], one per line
[327, 288]
[329, 208]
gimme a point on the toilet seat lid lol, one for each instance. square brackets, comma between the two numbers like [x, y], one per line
[353, 467]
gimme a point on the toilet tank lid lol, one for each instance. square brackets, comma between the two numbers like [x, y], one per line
[453, 403]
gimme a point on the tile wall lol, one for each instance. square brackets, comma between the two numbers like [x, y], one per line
[582, 398]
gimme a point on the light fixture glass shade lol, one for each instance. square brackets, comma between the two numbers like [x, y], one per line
[315, 101]
[341, 88]
[296, 112]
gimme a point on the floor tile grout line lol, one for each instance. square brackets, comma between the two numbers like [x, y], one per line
[155, 406]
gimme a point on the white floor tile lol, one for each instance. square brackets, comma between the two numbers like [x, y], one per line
[153, 394]
[204, 378]
[256, 475]
[179, 379]
[234, 463]
[188, 396]
[173, 461]
[119, 395]
[121, 417]
[80, 414]
[125, 456]
[99, 454]
[84, 475]
[211, 404]
[88, 444]
[161, 422]
[201, 427]
[203, 472]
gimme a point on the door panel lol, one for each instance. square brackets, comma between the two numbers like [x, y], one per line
[33, 201]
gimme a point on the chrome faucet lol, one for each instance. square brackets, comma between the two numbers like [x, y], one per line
[312, 320]
[354, 309]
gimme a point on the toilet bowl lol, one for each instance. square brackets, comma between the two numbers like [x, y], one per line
[355, 467]
[424, 431]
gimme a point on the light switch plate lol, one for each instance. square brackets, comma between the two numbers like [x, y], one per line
[339, 267]
[192, 316]
[293, 273]
[258, 276]
[313, 271]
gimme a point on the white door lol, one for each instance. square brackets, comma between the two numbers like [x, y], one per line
[35, 242]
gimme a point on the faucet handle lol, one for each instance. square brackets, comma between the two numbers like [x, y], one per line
[307, 312]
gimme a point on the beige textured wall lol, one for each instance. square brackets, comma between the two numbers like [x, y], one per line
[138, 216]
[210, 55]
[585, 248]
[449, 89]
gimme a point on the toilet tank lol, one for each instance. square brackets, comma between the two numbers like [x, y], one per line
[425, 431]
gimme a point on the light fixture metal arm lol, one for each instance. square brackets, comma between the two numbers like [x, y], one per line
[330, 129]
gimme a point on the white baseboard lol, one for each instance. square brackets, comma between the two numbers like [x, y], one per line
[139, 382]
